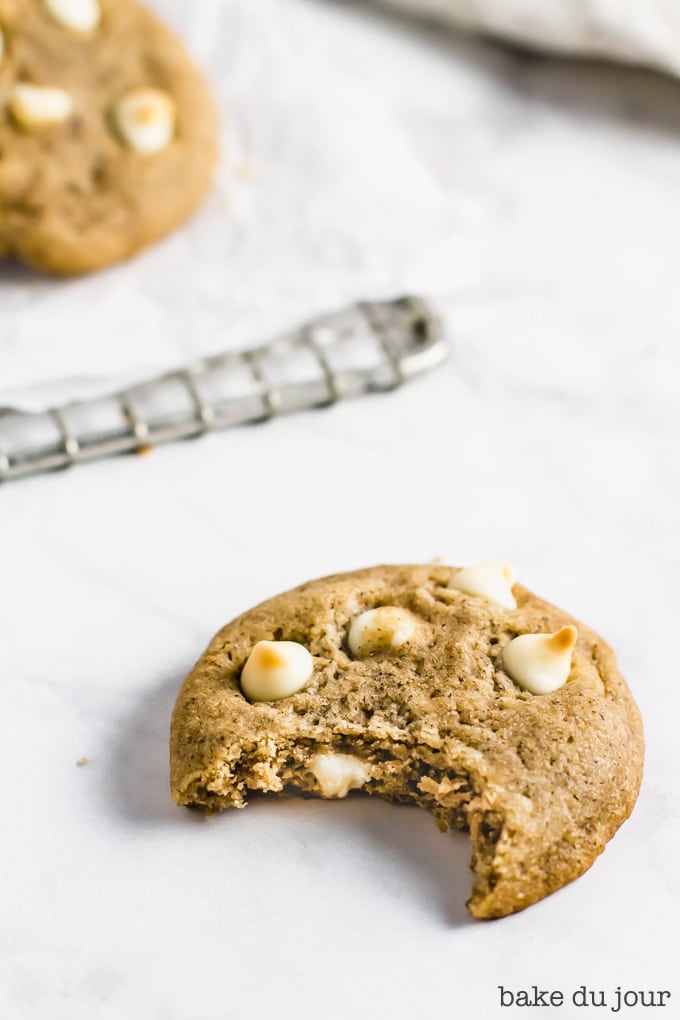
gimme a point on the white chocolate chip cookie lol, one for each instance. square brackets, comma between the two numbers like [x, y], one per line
[102, 94]
[431, 686]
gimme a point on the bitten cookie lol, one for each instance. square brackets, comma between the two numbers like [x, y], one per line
[108, 134]
[458, 690]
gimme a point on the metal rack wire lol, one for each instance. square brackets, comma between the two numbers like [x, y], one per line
[367, 348]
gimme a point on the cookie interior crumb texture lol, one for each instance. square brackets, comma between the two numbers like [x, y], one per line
[73, 195]
[541, 782]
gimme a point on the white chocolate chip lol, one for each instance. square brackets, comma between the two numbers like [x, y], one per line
[380, 630]
[38, 106]
[492, 581]
[540, 663]
[337, 774]
[275, 670]
[145, 119]
[78, 15]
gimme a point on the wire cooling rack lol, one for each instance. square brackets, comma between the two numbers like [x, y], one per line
[367, 348]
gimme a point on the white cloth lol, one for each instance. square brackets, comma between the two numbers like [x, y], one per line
[645, 32]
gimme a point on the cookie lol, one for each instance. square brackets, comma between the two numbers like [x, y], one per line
[108, 134]
[457, 690]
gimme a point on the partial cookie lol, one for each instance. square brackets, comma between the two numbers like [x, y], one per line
[108, 134]
[456, 690]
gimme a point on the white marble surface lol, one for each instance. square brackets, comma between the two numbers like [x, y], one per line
[551, 438]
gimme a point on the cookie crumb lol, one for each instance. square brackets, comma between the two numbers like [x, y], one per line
[82, 762]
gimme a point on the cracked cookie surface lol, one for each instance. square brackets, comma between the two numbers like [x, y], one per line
[89, 176]
[541, 782]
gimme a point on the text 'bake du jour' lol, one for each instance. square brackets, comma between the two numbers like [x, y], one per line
[617, 1000]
